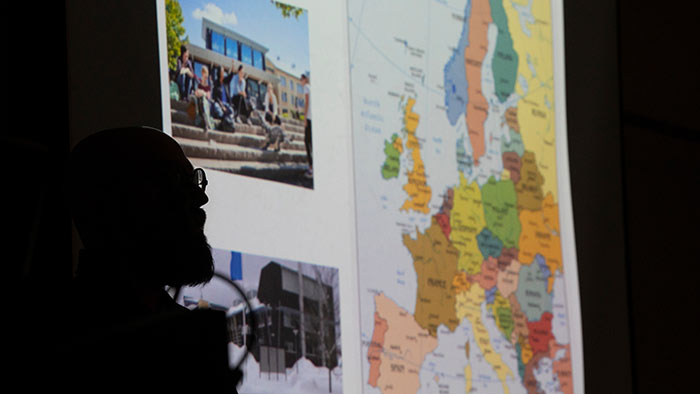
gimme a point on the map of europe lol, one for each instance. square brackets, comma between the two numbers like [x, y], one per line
[460, 257]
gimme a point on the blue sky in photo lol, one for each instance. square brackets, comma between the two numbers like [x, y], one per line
[286, 38]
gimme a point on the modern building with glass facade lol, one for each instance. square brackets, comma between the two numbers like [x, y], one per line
[229, 49]
[293, 306]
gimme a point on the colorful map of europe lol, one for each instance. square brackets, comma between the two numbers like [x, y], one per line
[478, 304]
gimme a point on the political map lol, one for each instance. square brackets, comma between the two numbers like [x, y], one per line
[461, 269]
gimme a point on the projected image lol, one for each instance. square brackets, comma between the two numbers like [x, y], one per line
[296, 307]
[240, 87]
[460, 243]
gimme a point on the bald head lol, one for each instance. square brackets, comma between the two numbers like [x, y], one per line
[113, 150]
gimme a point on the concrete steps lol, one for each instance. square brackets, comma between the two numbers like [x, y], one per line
[240, 151]
[180, 118]
[239, 137]
[210, 149]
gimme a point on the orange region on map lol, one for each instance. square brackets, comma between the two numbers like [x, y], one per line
[526, 350]
[376, 347]
[469, 306]
[405, 346]
[489, 273]
[520, 330]
[419, 192]
[474, 53]
[507, 281]
[435, 264]
[512, 119]
[398, 144]
[461, 283]
[537, 238]
[561, 365]
[551, 212]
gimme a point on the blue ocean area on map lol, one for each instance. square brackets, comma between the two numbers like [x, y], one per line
[456, 75]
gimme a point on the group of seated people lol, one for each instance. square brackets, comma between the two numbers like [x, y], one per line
[223, 97]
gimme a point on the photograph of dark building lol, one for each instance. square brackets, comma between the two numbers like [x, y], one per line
[297, 317]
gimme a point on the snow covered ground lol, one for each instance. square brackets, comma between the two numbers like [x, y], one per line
[303, 377]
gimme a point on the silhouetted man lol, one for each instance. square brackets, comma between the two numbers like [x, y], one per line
[136, 203]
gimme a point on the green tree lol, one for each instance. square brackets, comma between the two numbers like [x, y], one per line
[174, 30]
[288, 10]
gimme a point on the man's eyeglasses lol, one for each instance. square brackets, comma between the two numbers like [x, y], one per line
[200, 179]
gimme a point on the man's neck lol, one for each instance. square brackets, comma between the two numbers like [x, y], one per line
[107, 271]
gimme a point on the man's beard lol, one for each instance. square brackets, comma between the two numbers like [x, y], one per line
[193, 263]
[179, 262]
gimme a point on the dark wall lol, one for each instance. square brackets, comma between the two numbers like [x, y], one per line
[113, 65]
[593, 116]
[36, 242]
[633, 146]
[660, 138]
[633, 143]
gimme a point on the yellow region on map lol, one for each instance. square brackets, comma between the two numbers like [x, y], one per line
[419, 192]
[536, 67]
[467, 220]
[469, 306]
[468, 377]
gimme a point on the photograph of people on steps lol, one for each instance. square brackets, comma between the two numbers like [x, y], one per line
[240, 98]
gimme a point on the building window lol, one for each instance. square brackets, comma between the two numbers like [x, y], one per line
[300, 89]
[253, 90]
[284, 97]
[231, 48]
[217, 42]
[258, 60]
[263, 92]
[283, 82]
[246, 54]
[291, 84]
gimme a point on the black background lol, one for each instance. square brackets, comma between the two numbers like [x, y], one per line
[632, 86]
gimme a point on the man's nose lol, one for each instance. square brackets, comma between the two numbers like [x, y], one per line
[200, 197]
